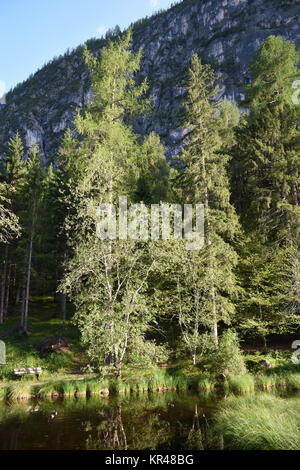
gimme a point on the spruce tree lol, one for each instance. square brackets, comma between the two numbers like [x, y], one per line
[30, 217]
[12, 182]
[265, 162]
[207, 286]
[266, 190]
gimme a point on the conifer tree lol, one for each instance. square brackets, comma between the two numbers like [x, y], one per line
[30, 217]
[13, 173]
[207, 289]
[61, 205]
[153, 172]
[266, 191]
[107, 279]
[265, 162]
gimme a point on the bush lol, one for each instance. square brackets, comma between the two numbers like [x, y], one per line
[146, 353]
[228, 359]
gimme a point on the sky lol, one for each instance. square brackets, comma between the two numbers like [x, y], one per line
[32, 32]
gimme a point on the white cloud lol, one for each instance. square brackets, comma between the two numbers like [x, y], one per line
[2, 88]
[154, 3]
[101, 30]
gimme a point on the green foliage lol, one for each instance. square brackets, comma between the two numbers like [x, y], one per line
[108, 279]
[210, 281]
[241, 384]
[149, 353]
[228, 360]
[9, 222]
[273, 71]
[137, 302]
[260, 423]
[265, 179]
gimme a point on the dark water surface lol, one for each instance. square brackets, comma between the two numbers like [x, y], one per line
[170, 421]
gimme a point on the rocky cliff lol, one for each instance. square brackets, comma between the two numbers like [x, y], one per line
[225, 33]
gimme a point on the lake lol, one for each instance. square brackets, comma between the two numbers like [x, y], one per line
[161, 421]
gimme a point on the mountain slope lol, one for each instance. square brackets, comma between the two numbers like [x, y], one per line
[224, 32]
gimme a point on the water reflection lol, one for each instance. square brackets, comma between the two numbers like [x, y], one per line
[147, 421]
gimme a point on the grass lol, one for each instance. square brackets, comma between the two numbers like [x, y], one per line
[202, 383]
[263, 422]
[62, 371]
[19, 391]
[293, 381]
[155, 380]
[240, 385]
[43, 323]
[268, 381]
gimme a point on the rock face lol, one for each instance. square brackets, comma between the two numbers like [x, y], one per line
[225, 33]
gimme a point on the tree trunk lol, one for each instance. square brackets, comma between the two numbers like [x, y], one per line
[209, 242]
[63, 306]
[27, 286]
[18, 296]
[118, 370]
[63, 299]
[28, 272]
[3, 285]
[295, 196]
[215, 324]
[7, 290]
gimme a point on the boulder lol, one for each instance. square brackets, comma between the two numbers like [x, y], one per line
[56, 343]
[266, 364]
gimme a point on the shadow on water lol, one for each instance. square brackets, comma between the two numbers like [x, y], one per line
[166, 421]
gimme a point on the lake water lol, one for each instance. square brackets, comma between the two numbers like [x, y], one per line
[169, 421]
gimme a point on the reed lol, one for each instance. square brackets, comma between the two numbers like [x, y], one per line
[263, 422]
[22, 390]
[202, 383]
[240, 384]
[80, 388]
[293, 381]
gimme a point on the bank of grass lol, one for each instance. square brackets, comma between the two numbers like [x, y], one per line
[262, 422]
[164, 379]
[240, 385]
[63, 376]
[151, 380]
[44, 323]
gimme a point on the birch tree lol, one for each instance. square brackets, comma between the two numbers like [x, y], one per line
[107, 279]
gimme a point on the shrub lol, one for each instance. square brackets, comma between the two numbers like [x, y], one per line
[228, 359]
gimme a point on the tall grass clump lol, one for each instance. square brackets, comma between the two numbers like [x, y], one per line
[3, 392]
[96, 387]
[240, 384]
[67, 388]
[50, 389]
[22, 390]
[80, 387]
[293, 381]
[165, 380]
[263, 422]
[45, 390]
[269, 381]
[202, 383]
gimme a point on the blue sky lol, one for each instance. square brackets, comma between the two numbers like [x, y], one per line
[34, 31]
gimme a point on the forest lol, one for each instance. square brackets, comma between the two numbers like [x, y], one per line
[129, 306]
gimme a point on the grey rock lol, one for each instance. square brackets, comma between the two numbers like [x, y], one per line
[224, 32]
